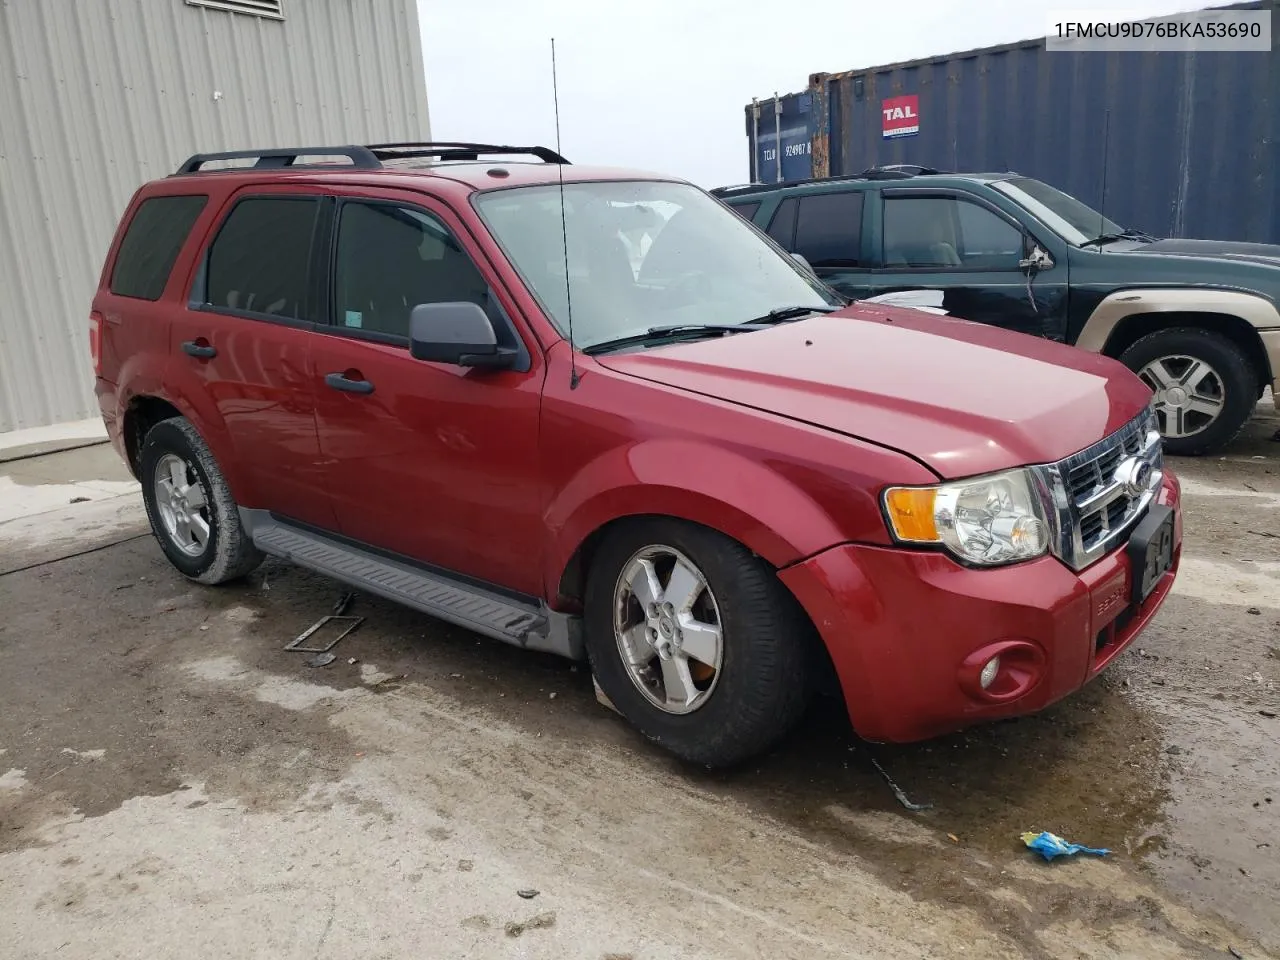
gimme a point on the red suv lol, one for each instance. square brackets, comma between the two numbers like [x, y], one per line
[597, 413]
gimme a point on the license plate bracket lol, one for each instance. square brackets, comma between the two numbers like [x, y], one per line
[1150, 551]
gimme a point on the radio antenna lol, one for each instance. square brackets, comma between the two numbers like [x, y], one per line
[1106, 151]
[564, 230]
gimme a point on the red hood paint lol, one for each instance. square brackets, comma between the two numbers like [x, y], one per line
[964, 398]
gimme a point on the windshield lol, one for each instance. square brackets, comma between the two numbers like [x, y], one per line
[642, 254]
[1072, 220]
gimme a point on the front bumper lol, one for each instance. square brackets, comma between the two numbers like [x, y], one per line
[905, 629]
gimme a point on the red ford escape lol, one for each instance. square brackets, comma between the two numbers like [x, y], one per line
[596, 413]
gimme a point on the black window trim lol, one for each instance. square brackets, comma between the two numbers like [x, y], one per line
[115, 265]
[942, 193]
[197, 298]
[332, 329]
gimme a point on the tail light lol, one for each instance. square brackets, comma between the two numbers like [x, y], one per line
[96, 321]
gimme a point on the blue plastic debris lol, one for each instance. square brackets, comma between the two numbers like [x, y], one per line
[1050, 845]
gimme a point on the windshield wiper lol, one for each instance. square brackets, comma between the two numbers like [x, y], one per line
[782, 314]
[1126, 234]
[676, 331]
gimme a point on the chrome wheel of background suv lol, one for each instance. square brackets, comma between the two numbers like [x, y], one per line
[667, 626]
[1189, 394]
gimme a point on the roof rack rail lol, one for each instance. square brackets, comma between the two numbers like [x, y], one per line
[361, 157]
[458, 151]
[898, 171]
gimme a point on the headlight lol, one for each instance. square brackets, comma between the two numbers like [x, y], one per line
[987, 520]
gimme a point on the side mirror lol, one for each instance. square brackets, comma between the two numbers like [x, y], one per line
[799, 258]
[457, 333]
[1039, 260]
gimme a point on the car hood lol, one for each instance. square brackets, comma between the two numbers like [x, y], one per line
[963, 398]
[1267, 254]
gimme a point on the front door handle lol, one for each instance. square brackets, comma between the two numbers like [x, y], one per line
[340, 381]
[199, 348]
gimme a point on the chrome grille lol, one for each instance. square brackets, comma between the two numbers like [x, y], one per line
[1089, 495]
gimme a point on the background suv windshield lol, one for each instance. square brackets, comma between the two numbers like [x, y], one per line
[642, 254]
[1072, 220]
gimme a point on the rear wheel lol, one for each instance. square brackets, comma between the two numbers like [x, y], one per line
[190, 507]
[695, 641]
[1205, 388]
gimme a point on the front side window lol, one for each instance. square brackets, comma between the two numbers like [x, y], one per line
[151, 244]
[391, 258]
[948, 233]
[260, 262]
[641, 254]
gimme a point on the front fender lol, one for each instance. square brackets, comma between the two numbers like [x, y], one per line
[718, 488]
[1256, 310]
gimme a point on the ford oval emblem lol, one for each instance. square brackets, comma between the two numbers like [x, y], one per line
[1134, 475]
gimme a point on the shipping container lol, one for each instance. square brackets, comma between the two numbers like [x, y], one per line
[1177, 144]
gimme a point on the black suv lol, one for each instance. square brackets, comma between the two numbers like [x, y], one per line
[1196, 319]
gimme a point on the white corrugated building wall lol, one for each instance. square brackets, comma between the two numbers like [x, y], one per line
[98, 96]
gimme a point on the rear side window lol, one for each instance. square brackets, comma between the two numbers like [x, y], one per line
[747, 211]
[783, 225]
[260, 261]
[151, 244]
[829, 229]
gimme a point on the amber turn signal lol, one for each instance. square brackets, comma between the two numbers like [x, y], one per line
[910, 511]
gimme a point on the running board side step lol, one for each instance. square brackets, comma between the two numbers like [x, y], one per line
[528, 624]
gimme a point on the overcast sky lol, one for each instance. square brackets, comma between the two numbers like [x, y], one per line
[661, 85]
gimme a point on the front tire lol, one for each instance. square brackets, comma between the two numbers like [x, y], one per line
[190, 506]
[1205, 388]
[695, 641]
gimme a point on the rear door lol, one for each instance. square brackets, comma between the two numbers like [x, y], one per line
[240, 351]
[431, 461]
[826, 228]
[949, 240]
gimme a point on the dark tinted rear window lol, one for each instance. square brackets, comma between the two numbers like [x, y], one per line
[829, 229]
[746, 210]
[783, 225]
[260, 261]
[151, 244]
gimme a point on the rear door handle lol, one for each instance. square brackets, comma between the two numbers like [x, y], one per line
[199, 348]
[339, 381]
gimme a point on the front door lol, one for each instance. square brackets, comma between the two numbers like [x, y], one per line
[431, 461]
[241, 350]
[972, 252]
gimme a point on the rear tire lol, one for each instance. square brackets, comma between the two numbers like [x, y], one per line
[190, 506]
[755, 687]
[1205, 388]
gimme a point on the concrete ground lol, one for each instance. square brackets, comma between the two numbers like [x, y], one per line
[175, 784]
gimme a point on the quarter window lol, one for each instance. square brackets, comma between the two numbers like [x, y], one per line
[392, 258]
[260, 261]
[151, 244]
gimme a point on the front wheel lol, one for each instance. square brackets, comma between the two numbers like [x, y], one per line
[695, 641]
[1205, 388]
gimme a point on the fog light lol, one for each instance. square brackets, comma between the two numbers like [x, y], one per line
[988, 675]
